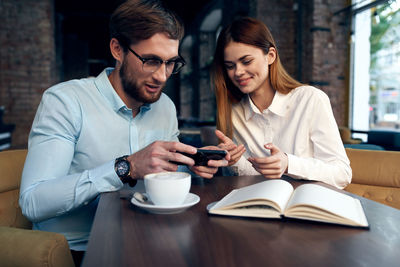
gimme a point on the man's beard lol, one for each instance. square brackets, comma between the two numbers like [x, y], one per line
[132, 89]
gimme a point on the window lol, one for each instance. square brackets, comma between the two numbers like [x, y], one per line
[375, 75]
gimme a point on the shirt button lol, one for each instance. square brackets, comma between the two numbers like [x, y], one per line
[112, 188]
[86, 203]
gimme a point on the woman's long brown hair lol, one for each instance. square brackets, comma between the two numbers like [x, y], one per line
[252, 32]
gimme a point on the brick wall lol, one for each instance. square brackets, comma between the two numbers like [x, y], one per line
[318, 55]
[280, 18]
[27, 61]
[206, 94]
[311, 40]
[329, 35]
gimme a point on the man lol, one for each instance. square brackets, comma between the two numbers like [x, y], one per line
[83, 128]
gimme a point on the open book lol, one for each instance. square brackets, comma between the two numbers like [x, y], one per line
[277, 198]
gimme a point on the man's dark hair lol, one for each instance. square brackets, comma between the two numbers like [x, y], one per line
[137, 20]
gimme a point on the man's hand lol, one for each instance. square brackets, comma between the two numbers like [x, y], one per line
[156, 157]
[212, 165]
[227, 144]
[273, 166]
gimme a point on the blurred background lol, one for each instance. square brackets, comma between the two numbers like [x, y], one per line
[349, 49]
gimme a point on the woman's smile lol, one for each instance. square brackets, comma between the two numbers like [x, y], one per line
[243, 81]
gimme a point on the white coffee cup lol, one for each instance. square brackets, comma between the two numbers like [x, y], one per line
[167, 188]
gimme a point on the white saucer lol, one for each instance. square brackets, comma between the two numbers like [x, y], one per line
[191, 199]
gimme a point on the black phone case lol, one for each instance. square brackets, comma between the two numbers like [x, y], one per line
[203, 156]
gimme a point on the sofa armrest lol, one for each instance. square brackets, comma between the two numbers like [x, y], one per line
[21, 247]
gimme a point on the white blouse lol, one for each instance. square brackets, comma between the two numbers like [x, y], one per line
[302, 125]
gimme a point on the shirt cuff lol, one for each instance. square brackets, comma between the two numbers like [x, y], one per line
[244, 167]
[104, 178]
[294, 167]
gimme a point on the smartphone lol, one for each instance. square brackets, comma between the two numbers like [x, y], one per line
[203, 156]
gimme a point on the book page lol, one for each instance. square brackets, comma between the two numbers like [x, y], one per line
[311, 201]
[260, 211]
[276, 191]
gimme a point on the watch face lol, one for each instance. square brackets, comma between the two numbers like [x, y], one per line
[122, 168]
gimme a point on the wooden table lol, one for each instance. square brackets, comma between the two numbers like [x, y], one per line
[124, 235]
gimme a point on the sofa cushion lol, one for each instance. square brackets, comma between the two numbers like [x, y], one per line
[32, 248]
[376, 175]
[386, 195]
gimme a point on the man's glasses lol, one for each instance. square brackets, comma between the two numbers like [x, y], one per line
[153, 64]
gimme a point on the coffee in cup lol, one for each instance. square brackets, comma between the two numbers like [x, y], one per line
[167, 188]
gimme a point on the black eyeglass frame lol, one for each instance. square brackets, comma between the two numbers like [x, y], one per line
[178, 60]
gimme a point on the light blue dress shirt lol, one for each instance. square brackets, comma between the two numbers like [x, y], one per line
[80, 127]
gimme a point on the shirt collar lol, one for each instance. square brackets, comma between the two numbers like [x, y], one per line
[279, 105]
[105, 87]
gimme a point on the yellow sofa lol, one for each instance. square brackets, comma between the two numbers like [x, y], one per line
[19, 245]
[376, 175]
[345, 135]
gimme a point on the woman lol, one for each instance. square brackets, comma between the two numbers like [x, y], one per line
[278, 125]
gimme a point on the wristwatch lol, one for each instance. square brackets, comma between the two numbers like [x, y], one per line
[122, 168]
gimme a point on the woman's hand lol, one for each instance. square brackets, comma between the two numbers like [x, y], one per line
[227, 144]
[273, 166]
